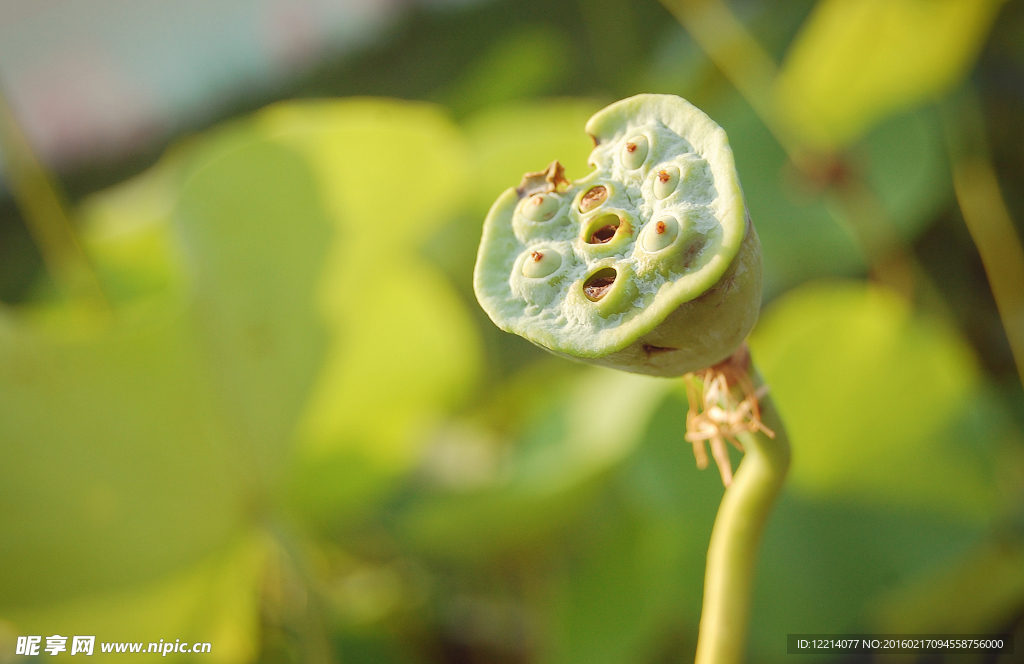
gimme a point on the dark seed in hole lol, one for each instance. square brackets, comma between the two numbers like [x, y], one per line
[593, 198]
[603, 234]
[596, 290]
[597, 286]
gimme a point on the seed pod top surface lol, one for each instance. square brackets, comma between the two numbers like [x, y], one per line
[588, 268]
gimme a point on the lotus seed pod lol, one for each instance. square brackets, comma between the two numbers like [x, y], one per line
[654, 268]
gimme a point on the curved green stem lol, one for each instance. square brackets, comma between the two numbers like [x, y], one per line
[732, 553]
[39, 196]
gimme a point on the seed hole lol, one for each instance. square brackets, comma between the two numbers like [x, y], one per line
[603, 234]
[605, 229]
[598, 284]
[594, 197]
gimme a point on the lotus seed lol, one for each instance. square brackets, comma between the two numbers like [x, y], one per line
[635, 152]
[541, 264]
[660, 234]
[598, 285]
[605, 229]
[666, 182]
[593, 198]
[541, 207]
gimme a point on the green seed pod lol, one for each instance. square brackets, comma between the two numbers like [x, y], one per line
[655, 268]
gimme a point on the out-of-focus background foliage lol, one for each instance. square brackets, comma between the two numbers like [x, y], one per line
[246, 395]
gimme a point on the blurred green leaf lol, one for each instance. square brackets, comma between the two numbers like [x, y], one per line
[856, 61]
[522, 64]
[980, 593]
[391, 171]
[619, 591]
[117, 465]
[981, 590]
[827, 562]
[678, 65]
[906, 168]
[631, 575]
[376, 647]
[803, 233]
[166, 418]
[297, 297]
[867, 390]
[128, 235]
[256, 230]
[517, 139]
[800, 237]
[215, 601]
[557, 465]
[403, 348]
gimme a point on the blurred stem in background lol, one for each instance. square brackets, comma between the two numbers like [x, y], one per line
[985, 214]
[736, 536]
[752, 71]
[737, 55]
[41, 202]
